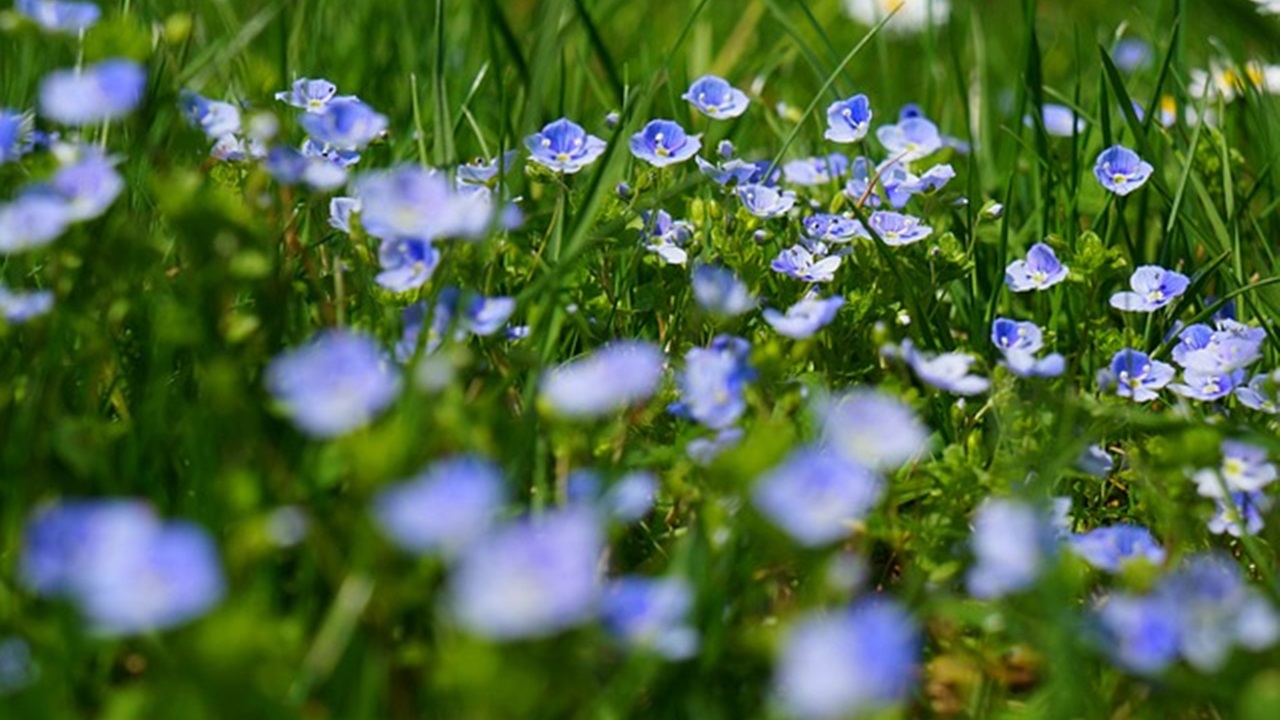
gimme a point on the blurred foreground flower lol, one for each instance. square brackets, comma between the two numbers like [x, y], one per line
[336, 383]
[613, 377]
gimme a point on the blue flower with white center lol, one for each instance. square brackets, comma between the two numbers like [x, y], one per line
[736, 172]
[664, 142]
[310, 95]
[802, 264]
[910, 140]
[60, 15]
[1224, 351]
[812, 171]
[946, 371]
[336, 383]
[1239, 515]
[764, 201]
[1019, 342]
[859, 188]
[211, 116]
[848, 120]
[1262, 393]
[718, 290]
[1142, 633]
[896, 229]
[19, 307]
[610, 379]
[564, 147]
[444, 508]
[806, 317]
[1039, 271]
[1120, 170]
[716, 98]
[481, 172]
[1207, 386]
[666, 237]
[1111, 547]
[347, 124]
[713, 382]
[407, 264]
[93, 94]
[341, 212]
[1244, 469]
[1012, 542]
[338, 156]
[1137, 376]
[1217, 610]
[485, 316]
[816, 496]
[32, 221]
[1059, 121]
[832, 228]
[846, 663]
[651, 615]
[1191, 338]
[901, 184]
[15, 131]
[1153, 287]
[291, 167]
[409, 201]
[531, 578]
[872, 428]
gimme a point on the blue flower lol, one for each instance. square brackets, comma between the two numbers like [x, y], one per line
[406, 264]
[612, 378]
[872, 428]
[631, 497]
[336, 383]
[848, 120]
[664, 142]
[817, 496]
[910, 140]
[341, 212]
[564, 147]
[347, 124]
[1059, 121]
[1120, 170]
[716, 98]
[1011, 544]
[97, 93]
[1132, 54]
[214, 118]
[1142, 632]
[444, 508]
[849, 662]
[1207, 386]
[1138, 376]
[1262, 393]
[60, 15]
[713, 382]
[719, 291]
[19, 307]
[896, 229]
[17, 671]
[1232, 347]
[15, 129]
[1153, 288]
[481, 172]
[1019, 342]
[800, 263]
[901, 184]
[666, 237]
[291, 167]
[736, 172]
[343, 158]
[651, 615]
[764, 201]
[1111, 547]
[948, 371]
[813, 171]
[32, 221]
[1217, 610]
[409, 201]
[88, 184]
[1244, 469]
[1039, 271]
[832, 228]
[310, 95]
[806, 317]
[1241, 514]
[530, 578]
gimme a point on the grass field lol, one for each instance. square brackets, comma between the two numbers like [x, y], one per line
[664, 358]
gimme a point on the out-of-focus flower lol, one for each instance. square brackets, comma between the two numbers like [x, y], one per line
[15, 131]
[1096, 461]
[1120, 170]
[713, 382]
[613, 377]
[441, 510]
[651, 615]
[16, 667]
[62, 16]
[406, 264]
[1111, 547]
[411, 202]
[946, 371]
[96, 93]
[19, 307]
[664, 142]
[1153, 288]
[817, 496]
[1262, 393]
[846, 663]
[825, 228]
[666, 237]
[1059, 121]
[719, 291]
[563, 146]
[911, 15]
[1240, 513]
[1039, 271]
[347, 124]
[213, 117]
[530, 578]
[716, 98]
[896, 229]
[803, 264]
[336, 383]
[631, 497]
[812, 171]
[310, 95]
[764, 201]
[32, 221]
[1141, 632]
[1244, 469]
[341, 212]
[292, 167]
[1019, 342]
[1132, 54]
[872, 428]
[910, 140]
[804, 318]
[1011, 544]
[848, 120]
[1138, 376]
[704, 451]
[88, 183]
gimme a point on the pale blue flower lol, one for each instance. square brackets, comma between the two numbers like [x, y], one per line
[848, 120]
[336, 383]
[62, 16]
[833, 228]
[1019, 342]
[444, 508]
[1131, 54]
[800, 263]
[1138, 376]
[213, 117]
[631, 497]
[719, 291]
[17, 670]
[716, 98]
[1120, 170]
[1217, 611]
[19, 307]
[1153, 288]
[666, 237]
[32, 221]
[88, 183]
[817, 496]
[406, 264]
[946, 371]
[859, 188]
[872, 428]
[1241, 514]
[664, 142]
[1111, 547]
[1039, 271]
[15, 131]
[813, 171]
[910, 140]
[1224, 351]
[1244, 468]
[901, 184]
[896, 229]
[1142, 633]
[736, 172]
[1207, 386]
[764, 201]
[1262, 393]
[1059, 121]
[564, 147]
[310, 95]
[341, 212]
[652, 615]
[408, 201]
[347, 124]
[804, 318]
[94, 94]
[291, 167]
[713, 382]
[1011, 545]
[481, 172]
[610, 379]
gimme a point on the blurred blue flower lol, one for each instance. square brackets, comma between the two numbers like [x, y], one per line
[1262, 393]
[483, 172]
[901, 184]
[1120, 170]
[1110, 547]
[666, 237]
[32, 221]
[896, 229]
[564, 147]
[716, 98]
[1245, 468]
[406, 264]
[713, 382]
[16, 668]
[1019, 342]
[336, 383]
[764, 201]
[832, 228]
[816, 496]
[88, 183]
[848, 120]
[801, 263]
[1131, 54]
[847, 663]
[725, 149]
[15, 130]
[341, 212]
[813, 171]
[1012, 542]
[1141, 632]
[704, 451]
[719, 291]
[530, 578]
[96, 93]
[1137, 376]
[1240, 514]
[291, 167]
[1217, 610]
[651, 615]
[1231, 347]
[631, 497]
[343, 158]
[442, 509]
[859, 189]
[611, 378]
[910, 140]
[19, 307]
[664, 142]
[804, 318]
[310, 95]
[872, 428]
[347, 124]
[1153, 288]
[408, 201]
[1096, 461]
[1059, 121]
[946, 371]
[1039, 271]
[1207, 386]
[60, 15]
[213, 117]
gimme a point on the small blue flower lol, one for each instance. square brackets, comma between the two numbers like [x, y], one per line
[310, 95]
[564, 147]
[343, 158]
[1039, 271]
[32, 221]
[812, 171]
[806, 317]
[1241, 514]
[716, 98]
[1223, 351]
[345, 124]
[1132, 54]
[1111, 547]
[1142, 632]
[1120, 170]
[15, 131]
[444, 508]
[612, 378]
[1153, 288]
[1059, 121]
[88, 184]
[764, 201]
[651, 615]
[291, 167]
[947, 371]
[19, 307]
[1262, 393]
[664, 142]
[1217, 610]
[1207, 386]
[896, 229]
[631, 497]
[910, 140]
[719, 291]
[336, 383]
[1138, 376]
[1011, 544]
[725, 149]
[832, 228]
[1244, 469]
[211, 116]
[483, 172]
[859, 188]
[736, 172]
[817, 496]
[713, 382]
[341, 211]
[848, 120]
[901, 184]
[406, 264]
[872, 428]
[94, 94]
[60, 15]
[666, 237]
[408, 201]
[1019, 342]
[802, 264]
